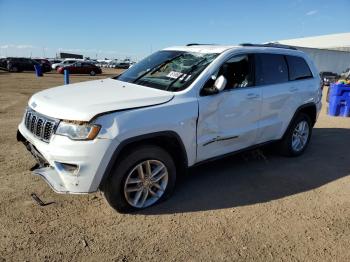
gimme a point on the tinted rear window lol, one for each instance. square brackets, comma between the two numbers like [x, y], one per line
[271, 69]
[298, 68]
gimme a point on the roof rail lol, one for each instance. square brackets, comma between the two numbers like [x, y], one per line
[192, 44]
[270, 45]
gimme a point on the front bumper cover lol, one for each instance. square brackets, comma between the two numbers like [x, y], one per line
[90, 158]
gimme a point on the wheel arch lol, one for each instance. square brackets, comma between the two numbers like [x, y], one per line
[309, 109]
[168, 140]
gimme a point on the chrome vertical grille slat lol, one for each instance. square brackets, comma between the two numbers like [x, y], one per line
[40, 126]
[27, 118]
[32, 123]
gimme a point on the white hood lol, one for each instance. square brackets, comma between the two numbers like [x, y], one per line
[82, 101]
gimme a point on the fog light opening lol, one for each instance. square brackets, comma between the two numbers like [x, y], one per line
[67, 168]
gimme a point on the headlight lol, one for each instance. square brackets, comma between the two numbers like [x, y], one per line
[78, 130]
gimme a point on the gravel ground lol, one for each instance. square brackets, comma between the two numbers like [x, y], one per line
[243, 208]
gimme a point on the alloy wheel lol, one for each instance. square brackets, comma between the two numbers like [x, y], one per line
[300, 136]
[146, 183]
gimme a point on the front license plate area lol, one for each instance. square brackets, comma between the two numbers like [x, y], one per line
[39, 158]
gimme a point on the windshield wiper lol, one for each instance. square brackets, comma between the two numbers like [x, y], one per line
[156, 68]
[185, 74]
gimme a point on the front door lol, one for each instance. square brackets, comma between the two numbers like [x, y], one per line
[229, 121]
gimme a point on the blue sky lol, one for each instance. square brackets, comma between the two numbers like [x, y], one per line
[135, 28]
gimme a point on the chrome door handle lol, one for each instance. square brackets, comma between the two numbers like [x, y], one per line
[252, 96]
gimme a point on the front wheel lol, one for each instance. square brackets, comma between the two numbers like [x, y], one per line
[297, 137]
[143, 177]
[92, 73]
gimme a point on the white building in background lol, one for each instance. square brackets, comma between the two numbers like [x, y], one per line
[329, 52]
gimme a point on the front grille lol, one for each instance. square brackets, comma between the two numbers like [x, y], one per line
[40, 126]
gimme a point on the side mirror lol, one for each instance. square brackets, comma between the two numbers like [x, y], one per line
[220, 83]
[214, 86]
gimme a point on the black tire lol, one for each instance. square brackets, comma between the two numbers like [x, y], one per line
[14, 69]
[285, 145]
[92, 73]
[113, 188]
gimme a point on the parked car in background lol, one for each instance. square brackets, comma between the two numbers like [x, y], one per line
[19, 64]
[64, 63]
[346, 74]
[101, 64]
[132, 64]
[123, 65]
[55, 61]
[112, 65]
[45, 64]
[3, 64]
[94, 62]
[81, 68]
[133, 135]
[329, 78]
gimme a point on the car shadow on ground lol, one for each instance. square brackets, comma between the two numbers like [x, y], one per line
[245, 179]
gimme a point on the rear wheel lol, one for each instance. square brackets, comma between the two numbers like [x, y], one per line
[297, 137]
[92, 73]
[143, 177]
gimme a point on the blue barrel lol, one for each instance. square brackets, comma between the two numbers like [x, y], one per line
[66, 77]
[38, 70]
[339, 100]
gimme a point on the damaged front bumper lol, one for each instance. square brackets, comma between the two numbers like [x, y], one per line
[74, 167]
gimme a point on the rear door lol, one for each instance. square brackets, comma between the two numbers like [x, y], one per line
[282, 93]
[277, 94]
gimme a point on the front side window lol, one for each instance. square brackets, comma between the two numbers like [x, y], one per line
[270, 69]
[238, 72]
[298, 68]
[168, 70]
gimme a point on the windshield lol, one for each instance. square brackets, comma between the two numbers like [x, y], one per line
[168, 70]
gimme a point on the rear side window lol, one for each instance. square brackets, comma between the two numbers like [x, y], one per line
[298, 68]
[270, 69]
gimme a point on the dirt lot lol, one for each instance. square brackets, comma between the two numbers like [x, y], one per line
[242, 208]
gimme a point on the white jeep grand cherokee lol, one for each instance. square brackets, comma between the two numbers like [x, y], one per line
[131, 136]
